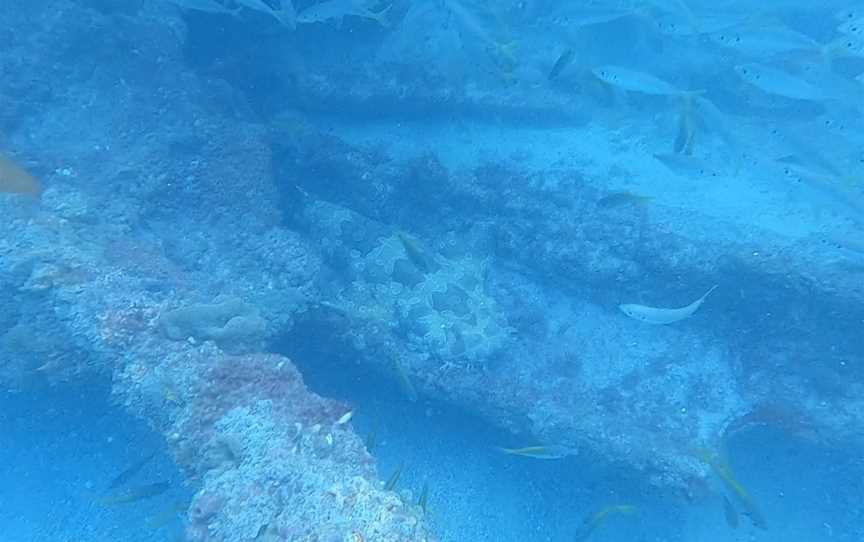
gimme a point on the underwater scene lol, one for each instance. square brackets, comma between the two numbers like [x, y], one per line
[431, 271]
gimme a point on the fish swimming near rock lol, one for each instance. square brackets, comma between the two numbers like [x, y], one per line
[547, 451]
[722, 469]
[16, 180]
[660, 316]
[136, 494]
[424, 497]
[394, 478]
[130, 471]
[339, 9]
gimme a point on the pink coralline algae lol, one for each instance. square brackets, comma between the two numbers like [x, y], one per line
[276, 463]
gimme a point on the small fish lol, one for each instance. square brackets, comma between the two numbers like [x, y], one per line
[130, 472]
[206, 6]
[636, 81]
[596, 520]
[760, 41]
[551, 451]
[686, 165]
[339, 9]
[394, 478]
[15, 180]
[416, 254]
[345, 418]
[286, 15]
[730, 513]
[839, 193]
[166, 516]
[372, 437]
[136, 494]
[659, 316]
[773, 81]
[564, 60]
[687, 123]
[405, 381]
[851, 24]
[724, 472]
[621, 199]
[582, 16]
[424, 496]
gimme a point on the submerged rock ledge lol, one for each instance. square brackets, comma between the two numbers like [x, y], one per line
[469, 285]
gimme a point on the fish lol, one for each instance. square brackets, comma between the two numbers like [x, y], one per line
[345, 418]
[730, 513]
[136, 494]
[339, 9]
[636, 81]
[206, 6]
[621, 199]
[687, 123]
[760, 41]
[472, 23]
[166, 516]
[285, 15]
[850, 45]
[773, 81]
[550, 451]
[564, 60]
[130, 472]
[599, 518]
[840, 193]
[424, 496]
[372, 437]
[416, 254]
[405, 381]
[852, 27]
[686, 165]
[582, 16]
[16, 180]
[660, 316]
[724, 472]
[394, 478]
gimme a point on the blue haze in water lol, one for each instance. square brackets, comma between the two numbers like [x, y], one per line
[496, 220]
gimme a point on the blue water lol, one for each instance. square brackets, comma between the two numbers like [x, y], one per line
[478, 225]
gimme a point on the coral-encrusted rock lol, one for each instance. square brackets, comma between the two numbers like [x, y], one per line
[275, 463]
[234, 325]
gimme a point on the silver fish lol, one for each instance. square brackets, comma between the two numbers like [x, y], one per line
[339, 9]
[635, 81]
[774, 81]
[207, 6]
[658, 316]
[765, 41]
[285, 15]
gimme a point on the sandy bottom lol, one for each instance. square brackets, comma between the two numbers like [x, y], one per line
[61, 449]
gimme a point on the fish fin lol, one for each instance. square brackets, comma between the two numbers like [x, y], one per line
[710, 290]
[381, 16]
